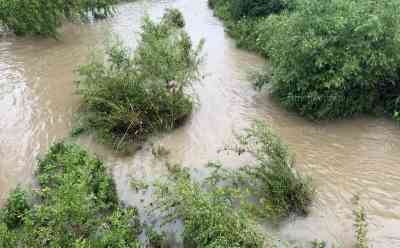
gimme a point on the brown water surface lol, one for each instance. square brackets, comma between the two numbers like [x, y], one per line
[359, 156]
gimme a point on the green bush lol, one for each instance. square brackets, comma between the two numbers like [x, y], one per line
[131, 96]
[76, 206]
[174, 17]
[69, 164]
[209, 218]
[16, 208]
[272, 180]
[257, 8]
[242, 17]
[335, 58]
[43, 17]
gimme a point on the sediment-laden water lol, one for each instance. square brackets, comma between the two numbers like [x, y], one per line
[345, 158]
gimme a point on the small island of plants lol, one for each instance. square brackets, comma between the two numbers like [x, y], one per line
[128, 96]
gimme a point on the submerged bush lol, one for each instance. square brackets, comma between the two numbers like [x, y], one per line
[43, 17]
[272, 180]
[131, 96]
[335, 58]
[76, 206]
[174, 17]
[209, 217]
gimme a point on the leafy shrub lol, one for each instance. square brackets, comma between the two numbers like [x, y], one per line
[132, 96]
[76, 206]
[16, 208]
[69, 164]
[209, 218]
[155, 239]
[272, 180]
[43, 17]
[174, 17]
[242, 17]
[7, 238]
[318, 244]
[257, 8]
[335, 58]
[244, 33]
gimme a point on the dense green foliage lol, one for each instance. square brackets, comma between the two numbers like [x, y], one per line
[76, 206]
[257, 8]
[174, 17]
[238, 9]
[129, 96]
[272, 180]
[16, 208]
[209, 217]
[43, 17]
[335, 58]
[329, 59]
[241, 17]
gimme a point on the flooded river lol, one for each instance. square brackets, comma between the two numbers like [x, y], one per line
[348, 157]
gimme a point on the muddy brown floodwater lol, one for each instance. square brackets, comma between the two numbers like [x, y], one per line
[348, 157]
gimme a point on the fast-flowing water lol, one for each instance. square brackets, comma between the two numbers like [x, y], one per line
[345, 158]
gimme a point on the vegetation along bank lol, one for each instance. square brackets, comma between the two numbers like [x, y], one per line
[329, 59]
[43, 18]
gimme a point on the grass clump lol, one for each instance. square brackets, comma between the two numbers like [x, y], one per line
[131, 96]
[209, 217]
[76, 206]
[42, 17]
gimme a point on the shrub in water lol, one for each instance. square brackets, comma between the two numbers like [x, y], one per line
[132, 96]
[209, 218]
[76, 206]
[43, 17]
[174, 17]
[335, 58]
[272, 180]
